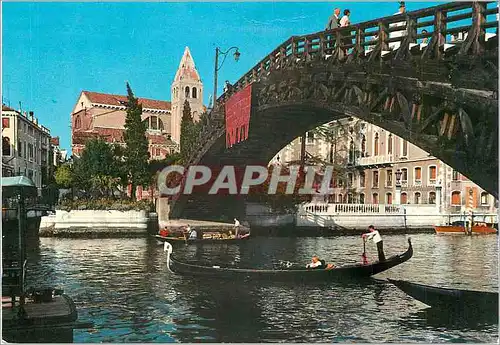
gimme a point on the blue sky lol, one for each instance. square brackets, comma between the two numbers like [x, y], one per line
[53, 51]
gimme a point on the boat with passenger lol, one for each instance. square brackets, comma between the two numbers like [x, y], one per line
[297, 274]
[187, 235]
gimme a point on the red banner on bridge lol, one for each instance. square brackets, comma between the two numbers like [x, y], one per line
[238, 109]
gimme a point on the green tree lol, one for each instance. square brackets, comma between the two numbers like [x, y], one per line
[189, 133]
[136, 153]
[64, 176]
[98, 171]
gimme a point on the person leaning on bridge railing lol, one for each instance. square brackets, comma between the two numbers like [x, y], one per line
[400, 33]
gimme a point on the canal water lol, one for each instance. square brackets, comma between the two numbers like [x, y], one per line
[124, 287]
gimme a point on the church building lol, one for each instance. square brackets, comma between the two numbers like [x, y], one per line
[102, 115]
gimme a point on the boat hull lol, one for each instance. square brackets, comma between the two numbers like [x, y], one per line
[463, 301]
[454, 229]
[182, 241]
[296, 275]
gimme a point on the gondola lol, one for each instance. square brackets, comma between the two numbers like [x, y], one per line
[182, 240]
[291, 274]
[451, 299]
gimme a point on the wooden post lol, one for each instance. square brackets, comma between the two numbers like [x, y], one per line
[469, 209]
[439, 32]
[478, 20]
[360, 39]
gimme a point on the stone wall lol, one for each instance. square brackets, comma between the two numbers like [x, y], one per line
[95, 223]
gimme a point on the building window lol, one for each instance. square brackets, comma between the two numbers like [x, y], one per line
[404, 175]
[186, 91]
[30, 152]
[432, 198]
[350, 198]
[363, 146]
[350, 179]
[418, 175]
[194, 93]
[30, 174]
[309, 137]
[389, 178]
[19, 148]
[454, 175]
[432, 174]
[389, 144]
[375, 198]
[417, 198]
[78, 122]
[362, 198]
[362, 179]
[5, 122]
[351, 152]
[388, 198]
[375, 179]
[375, 145]
[404, 198]
[6, 146]
[405, 149]
[339, 199]
[456, 198]
[484, 198]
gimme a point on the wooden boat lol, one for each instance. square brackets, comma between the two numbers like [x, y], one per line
[292, 274]
[205, 240]
[478, 228]
[450, 299]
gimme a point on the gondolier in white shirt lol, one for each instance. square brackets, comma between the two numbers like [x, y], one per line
[236, 227]
[377, 239]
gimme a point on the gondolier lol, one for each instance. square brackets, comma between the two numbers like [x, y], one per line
[377, 239]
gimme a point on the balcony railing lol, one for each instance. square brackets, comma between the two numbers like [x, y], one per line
[384, 159]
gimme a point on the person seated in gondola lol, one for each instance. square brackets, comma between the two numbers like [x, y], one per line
[316, 263]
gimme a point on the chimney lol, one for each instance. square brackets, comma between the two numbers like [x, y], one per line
[31, 115]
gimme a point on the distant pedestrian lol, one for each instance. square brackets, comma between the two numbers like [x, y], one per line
[400, 33]
[377, 239]
[425, 40]
[334, 20]
[344, 22]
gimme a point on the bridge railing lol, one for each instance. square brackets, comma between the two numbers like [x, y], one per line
[397, 34]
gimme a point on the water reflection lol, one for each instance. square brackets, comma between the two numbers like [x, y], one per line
[125, 288]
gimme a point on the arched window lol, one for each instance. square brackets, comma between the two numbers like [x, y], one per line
[456, 199]
[361, 198]
[432, 174]
[432, 198]
[484, 198]
[153, 122]
[194, 92]
[418, 175]
[404, 198]
[389, 144]
[361, 179]
[339, 199]
[417, 198]
[404, 175]
[350, 199]
[388, 198]
[186, 91]
[455, 175]
[6, 146]
[375, 198]
[375, 145]
[78, 122]
[160, 125]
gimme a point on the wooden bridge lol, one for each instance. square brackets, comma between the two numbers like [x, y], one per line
[436, 89]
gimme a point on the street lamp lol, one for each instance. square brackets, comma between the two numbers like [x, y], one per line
[217, 67]
[398, 177]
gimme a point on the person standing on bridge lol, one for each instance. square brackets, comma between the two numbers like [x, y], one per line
[334, 20]
[377, 239]
[401, 33]
[344, 22]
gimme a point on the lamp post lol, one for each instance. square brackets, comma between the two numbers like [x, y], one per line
[218, 52]
[398, 174]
